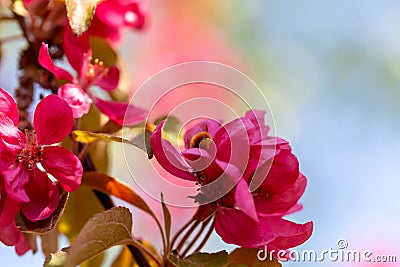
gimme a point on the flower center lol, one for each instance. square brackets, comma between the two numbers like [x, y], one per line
[198, 138]
[95, 70]
[32, 153]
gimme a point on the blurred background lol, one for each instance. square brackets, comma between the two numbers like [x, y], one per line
[330, 71]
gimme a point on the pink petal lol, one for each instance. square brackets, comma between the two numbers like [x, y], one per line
[288, 234]
[8, 106]
[101, 29]
[47, 63]
[9, 133]
[257, 118]
[64, 166]
[52, 120]
[283, 173]
[22, 246]
[234, 136]
[197, 158]
[77, 99]
[75, 47]
[9, 208]
[15, 180]
[43, 195]
[121, 113]
[109, 81]
[10, 235]
[244, 199]
[237, 228]
[207, 125]
[168, 157]
[282, 202]
[116, 14]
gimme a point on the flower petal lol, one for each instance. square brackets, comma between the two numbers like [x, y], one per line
[43, 195]
[47, 63]
[121, 113]
[282, 202]
[168, 156]
[257, 118]
[288, 234]
[109, 81]
[15, 179]
[9, 208]
[244, 199]
[52, 120]
[22, 246]
[64, 166]
[10, 136]
[8, 106]
[76, 98]
[75, 47]
[230, 224]
[10, 235]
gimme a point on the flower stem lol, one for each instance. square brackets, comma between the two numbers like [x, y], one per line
[191, 244]
[186, 236]
[180, 231]
[206, 237]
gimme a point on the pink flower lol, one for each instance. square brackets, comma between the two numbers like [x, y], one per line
[226, 161]
[76, 92]
[113, 15]
[28, 159]
[9, 234]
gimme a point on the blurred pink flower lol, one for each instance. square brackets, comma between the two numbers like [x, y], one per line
[77, 91]
[113, 15]
[237, 154]
[21, 155]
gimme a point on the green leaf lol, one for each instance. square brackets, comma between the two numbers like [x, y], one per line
[167, 220]
[80, 14]
[218, 259]
[56, 259]
[43, 226]
[105, 230]
[248, 257]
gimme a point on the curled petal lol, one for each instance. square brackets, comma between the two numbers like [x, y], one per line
[244, 199]
[52, 120]
[47, 63]
[22, 246]
[76, 98]
[64, 166]
[8, 106]
[288, 234]
[43, 195]
[257, 118]
[110, 80]
[282, 174]
[168, 156]
[282, 202]
[121, 113]
[230, 224]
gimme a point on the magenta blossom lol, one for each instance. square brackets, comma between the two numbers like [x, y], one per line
[113, 15]
[28, 159]
[227, 161]
[76, 92]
